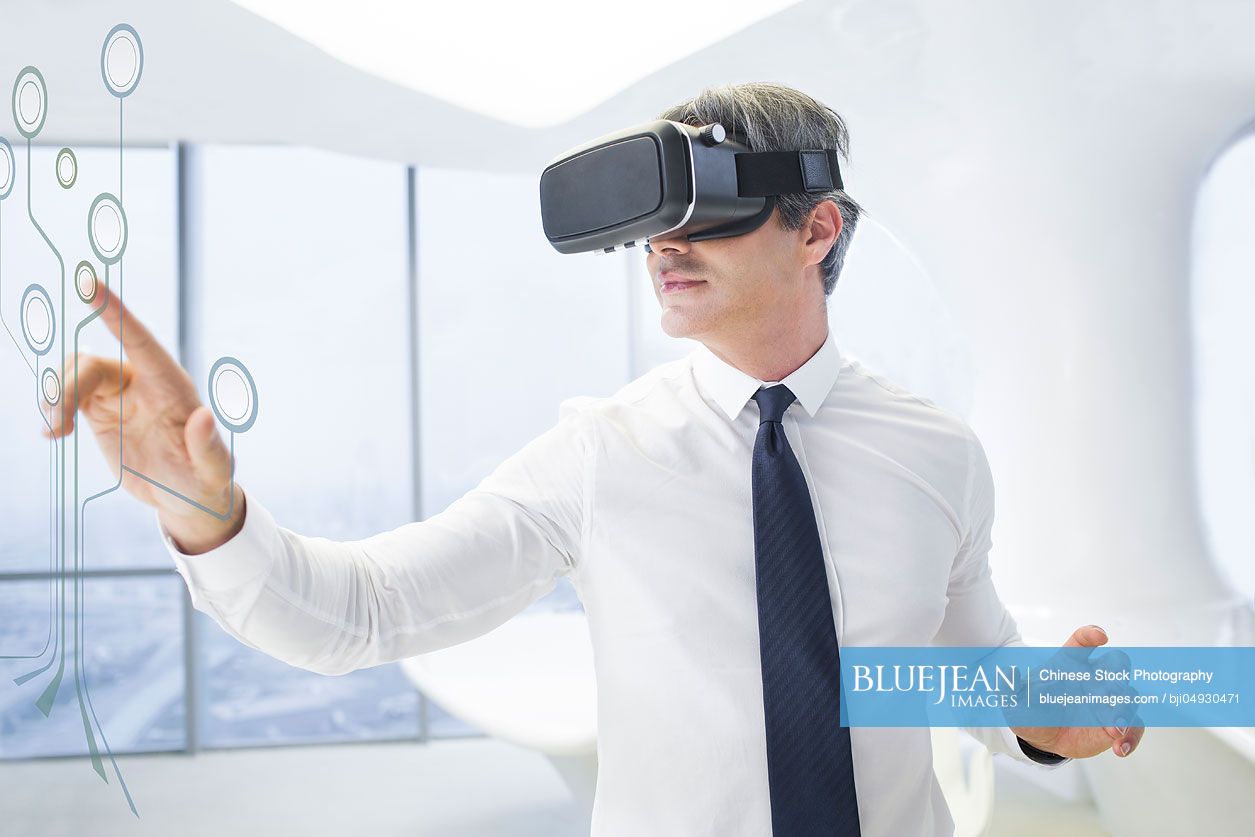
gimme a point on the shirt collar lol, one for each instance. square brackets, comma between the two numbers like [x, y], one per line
[731, 388]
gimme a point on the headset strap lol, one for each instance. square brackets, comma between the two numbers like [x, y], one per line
[762, 173]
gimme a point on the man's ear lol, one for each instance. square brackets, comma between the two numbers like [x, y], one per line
[820, 230]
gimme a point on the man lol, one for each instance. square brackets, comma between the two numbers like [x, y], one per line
[701, 512]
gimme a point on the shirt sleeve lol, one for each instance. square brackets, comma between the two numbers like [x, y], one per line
[975, 615]
[335, 606]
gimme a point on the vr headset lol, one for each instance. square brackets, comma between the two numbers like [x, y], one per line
[664, 177]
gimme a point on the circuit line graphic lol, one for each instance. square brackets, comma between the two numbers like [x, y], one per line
[121, 65]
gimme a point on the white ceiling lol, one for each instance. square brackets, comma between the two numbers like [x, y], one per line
[530, 64]
[901, 72]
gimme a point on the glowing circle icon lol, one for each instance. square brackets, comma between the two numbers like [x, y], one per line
[122, 60]
[8, 169]
[106, 228]
[38, 325]
[30, 102]
[51, 386]
[86, 282]
[232, 394]
[67, 168]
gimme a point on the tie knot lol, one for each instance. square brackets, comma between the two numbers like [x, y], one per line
[773, 401]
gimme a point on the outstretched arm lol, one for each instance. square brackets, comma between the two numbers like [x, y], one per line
[335, 606]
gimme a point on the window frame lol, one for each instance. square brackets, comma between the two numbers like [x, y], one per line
[193, 686]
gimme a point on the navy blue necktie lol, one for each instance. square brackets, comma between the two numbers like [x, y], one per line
[809, 764]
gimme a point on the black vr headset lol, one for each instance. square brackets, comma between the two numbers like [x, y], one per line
[664, 177]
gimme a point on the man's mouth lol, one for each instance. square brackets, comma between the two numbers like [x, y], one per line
[673, 282]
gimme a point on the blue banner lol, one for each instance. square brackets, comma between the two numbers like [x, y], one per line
[1073, 686]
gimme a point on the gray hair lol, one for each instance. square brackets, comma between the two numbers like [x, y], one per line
[772, 117]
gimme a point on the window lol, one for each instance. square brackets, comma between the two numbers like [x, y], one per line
[508, 328]
[297, 263]
[288, 252]
[298, 267]
[1222, 299]
[132, 681]
[119, 528]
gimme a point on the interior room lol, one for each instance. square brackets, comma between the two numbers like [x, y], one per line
[335, 205]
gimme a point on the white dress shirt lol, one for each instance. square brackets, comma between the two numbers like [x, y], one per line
[643, 499]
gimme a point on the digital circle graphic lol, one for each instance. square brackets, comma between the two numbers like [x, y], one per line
[8, 168]
[51, 386]
[106, 228]
[232, 394]
[86, 282]
[30, 102]
[38, 325]
[67, 168]
[122, 60]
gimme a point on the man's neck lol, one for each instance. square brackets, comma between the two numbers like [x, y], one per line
[772, 356]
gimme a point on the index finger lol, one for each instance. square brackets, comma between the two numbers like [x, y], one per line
[141, 347]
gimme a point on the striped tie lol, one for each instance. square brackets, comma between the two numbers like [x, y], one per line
[809, 764]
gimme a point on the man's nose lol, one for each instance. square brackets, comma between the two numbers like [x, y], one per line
[675, 244]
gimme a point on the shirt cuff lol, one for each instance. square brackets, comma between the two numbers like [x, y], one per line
[248, 554]
[1040, 756]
